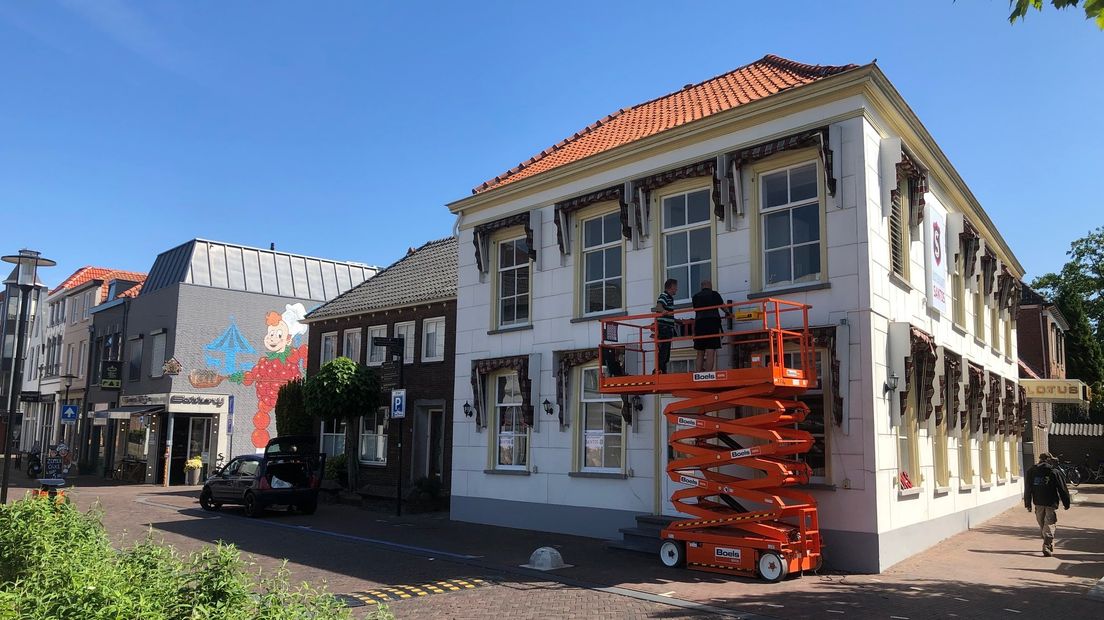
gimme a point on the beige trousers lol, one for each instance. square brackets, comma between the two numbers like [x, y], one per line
[1047, 518]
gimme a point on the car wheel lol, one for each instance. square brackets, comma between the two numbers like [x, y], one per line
[207, 501]
[771, 567]
[250, 505]
[308, 507]
[672, 553]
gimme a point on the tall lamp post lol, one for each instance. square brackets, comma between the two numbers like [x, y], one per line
[23, 278]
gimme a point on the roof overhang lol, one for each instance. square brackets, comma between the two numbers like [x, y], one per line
[346, 315]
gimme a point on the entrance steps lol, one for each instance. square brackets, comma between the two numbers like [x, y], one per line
[645, 537]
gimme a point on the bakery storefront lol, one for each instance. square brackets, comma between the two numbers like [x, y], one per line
[177, 425]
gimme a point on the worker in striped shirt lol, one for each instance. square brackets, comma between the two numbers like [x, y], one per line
[668, 329]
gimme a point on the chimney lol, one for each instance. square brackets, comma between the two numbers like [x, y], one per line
[272, 246]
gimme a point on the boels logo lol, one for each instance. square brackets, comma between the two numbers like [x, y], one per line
[687, 421]
[707, 376]
[726, 553]
[689, 480]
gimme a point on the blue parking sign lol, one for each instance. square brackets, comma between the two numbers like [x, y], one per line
[398, 403]
[69, 414]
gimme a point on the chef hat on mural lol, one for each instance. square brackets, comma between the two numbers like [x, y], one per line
[293, 314]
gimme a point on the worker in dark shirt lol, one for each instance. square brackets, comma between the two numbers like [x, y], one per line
[1044, 487]
[666, 326]
[707, 325]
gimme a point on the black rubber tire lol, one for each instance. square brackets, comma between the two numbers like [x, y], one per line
[673, 553]
[307, 508]
[249, 504]
[207, 502]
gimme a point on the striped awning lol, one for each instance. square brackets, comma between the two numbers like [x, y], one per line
[1077, 429]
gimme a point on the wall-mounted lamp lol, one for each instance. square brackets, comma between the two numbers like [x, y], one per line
[637, 403]
[890, 384]
[468, 409]
[547, 407]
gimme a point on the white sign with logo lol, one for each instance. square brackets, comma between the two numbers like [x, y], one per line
[936, 256]
[727, 554]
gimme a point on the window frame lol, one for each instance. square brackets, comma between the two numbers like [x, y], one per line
[409, 344]
[582, 434]
[440, 335]
[958, 292]
[134, 359]
[598, 211]
[941, 457]
[326, 336]
[337, 435]
[157, 370]
[994, 328]
[496, 433]
[381, 434]
[784, 161]
[376, 331]
[685, 188]
[908, 444]
[82, 358]
[903, 200]
[979, 314]
[359, 333]
[510, 235]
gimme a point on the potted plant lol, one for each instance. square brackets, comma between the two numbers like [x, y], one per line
[192, 468]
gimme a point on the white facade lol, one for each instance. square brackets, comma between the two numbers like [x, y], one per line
[869, 521]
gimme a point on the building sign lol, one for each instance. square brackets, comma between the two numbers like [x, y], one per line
[111, 375]
[180, 403]
[1056, 390]
[936, 257]
[140, 400]
[398, 404]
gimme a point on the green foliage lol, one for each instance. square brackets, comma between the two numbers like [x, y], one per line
[336, 469]
[57, 563]
[291, 411]
[344, 390]
[1094, 9]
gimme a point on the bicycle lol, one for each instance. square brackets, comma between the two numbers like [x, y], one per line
[1068, 472]
[1090, 474]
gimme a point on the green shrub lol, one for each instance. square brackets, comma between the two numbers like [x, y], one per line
[336, 470]
[57, 563]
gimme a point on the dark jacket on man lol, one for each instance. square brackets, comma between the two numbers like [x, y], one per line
[1044, 486]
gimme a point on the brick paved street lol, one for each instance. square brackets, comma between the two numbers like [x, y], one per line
[993, 571]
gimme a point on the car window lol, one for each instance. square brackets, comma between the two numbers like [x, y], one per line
[248, 468]
[232, 468]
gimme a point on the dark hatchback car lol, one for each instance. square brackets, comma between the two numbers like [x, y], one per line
[289, 473]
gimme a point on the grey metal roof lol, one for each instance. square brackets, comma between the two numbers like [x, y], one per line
[425, 274]
[243, 268]
[1077, 429]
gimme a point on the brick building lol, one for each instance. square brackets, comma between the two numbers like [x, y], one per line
[415, 298]
[1041, 338]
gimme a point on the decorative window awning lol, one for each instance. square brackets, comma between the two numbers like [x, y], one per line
[565, 362]
[952, 373]
[1008, 292]
[969, 242]
[567, 207]
[993, 403]
[483, 233]
[916, 178]
[825, 338]
[817, 138]
[479, 371]
[640, 190]
[1021, 409]
[975, 397]
[988, 273]
[922, 355]
[1010, 405]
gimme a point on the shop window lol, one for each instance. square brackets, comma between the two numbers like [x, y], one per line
[373, 437]
[790, 219]
[433, 339]
[602, 427]
[513, 281]
[601, 264]
[332, 437]
[350, 348]
[688, 240]
[511, 433]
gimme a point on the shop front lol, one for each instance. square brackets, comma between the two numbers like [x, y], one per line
[157, 433]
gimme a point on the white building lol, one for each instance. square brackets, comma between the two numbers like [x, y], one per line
[815, 184]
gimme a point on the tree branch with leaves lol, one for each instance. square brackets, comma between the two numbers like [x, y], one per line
[1094, 9]
[344, 390]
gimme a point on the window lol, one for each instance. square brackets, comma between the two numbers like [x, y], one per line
[89, 301]
[248, 468]
[157, 354]
[329, 348]
[351, 347]
[134, 357]
[406, 332]
[908, 457]
[433, 339]
[601, 263]
[1008, 337]
[790, 221]
[1014, 455]
[513, 282]
[75, 314]
[979, 314]
[1002, 462]
[899, 238]
[376, 355]
[939, 446]
[819, 401]
[688, 241]
[958, 293]
[994, 327]
[97, 359]
[82, 358]
[373, 437]
[602, 427]
[332, 437]
[69, 360]
[512, 433]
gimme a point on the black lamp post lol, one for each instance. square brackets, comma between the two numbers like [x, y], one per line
[23, 278]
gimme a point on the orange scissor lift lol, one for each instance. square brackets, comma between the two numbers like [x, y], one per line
[736, 442]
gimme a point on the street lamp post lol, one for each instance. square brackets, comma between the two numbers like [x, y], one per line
[24, 278]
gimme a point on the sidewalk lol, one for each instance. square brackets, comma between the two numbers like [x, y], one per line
[992, 571]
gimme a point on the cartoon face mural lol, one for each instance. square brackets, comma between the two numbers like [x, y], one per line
[283, 360]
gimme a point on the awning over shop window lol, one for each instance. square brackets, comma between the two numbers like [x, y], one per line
[124, 413]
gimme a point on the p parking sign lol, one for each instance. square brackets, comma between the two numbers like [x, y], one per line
[398, 404]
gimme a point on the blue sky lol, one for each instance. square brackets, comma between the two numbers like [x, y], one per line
[341, 129]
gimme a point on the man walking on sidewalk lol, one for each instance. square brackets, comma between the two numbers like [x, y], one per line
[1044, 487]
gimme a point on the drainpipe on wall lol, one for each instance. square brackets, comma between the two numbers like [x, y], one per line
[84, 465]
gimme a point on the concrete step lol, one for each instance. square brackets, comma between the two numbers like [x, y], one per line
[637, 546]
[654, 522]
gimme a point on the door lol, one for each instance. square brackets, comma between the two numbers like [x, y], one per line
[429, 444]
[199, 442]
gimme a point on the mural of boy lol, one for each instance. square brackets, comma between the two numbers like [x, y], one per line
[282, 361]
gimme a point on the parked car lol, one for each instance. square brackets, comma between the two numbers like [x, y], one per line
[289, 473]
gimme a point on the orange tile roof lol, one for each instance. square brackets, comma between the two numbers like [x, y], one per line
[82, 276]
[131, 292]
[762, 78]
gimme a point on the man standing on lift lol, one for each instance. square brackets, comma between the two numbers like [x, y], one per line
[707, 325]
[667, 328]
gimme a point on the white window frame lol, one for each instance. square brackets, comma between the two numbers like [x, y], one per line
[373, 429]
[687, 288]
[376, 331]
[82, 357]
[600, 436]
[500, 273]
[334, 437]
[899, 224]
[409, 344]
[514, 410]
[436, 326]
[601, 248]
[157, 358]
[908, 432]
[355, 355]
[764, 212]
[89, 301]
[325, 356]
